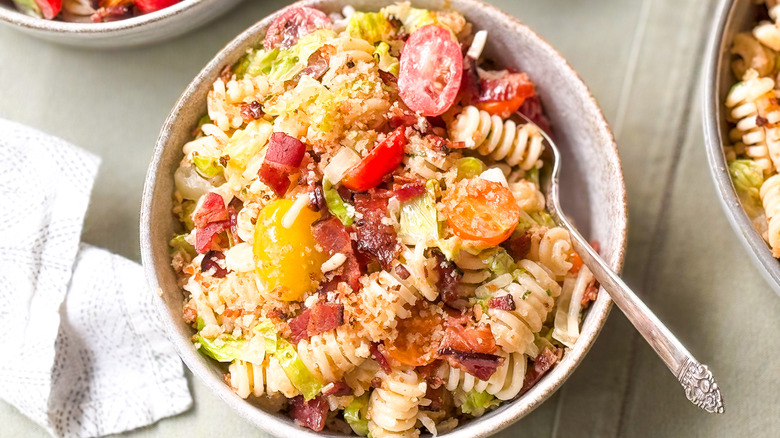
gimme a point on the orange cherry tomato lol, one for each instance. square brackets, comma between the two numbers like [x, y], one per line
[576, 262]
[478, 209]
[419, 336]
[503, 108]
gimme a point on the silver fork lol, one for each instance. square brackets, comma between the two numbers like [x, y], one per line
[695, 377]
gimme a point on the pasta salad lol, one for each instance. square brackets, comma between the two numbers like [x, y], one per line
[365, 245]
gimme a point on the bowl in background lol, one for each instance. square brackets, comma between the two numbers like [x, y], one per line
[143, 29]
[592, 189]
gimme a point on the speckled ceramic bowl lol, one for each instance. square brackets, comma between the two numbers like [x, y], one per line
[156, 26]
[731, 17]
[592, 187]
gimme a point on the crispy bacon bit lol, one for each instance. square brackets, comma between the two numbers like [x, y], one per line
[409, 191]
[480, 365]
[428, 372]
[299, 327]
[532, 108]
[226, 73]
[436, 396]
[211, 210]
[190, 315]
[233, 208]
[376, 382]
[211, 261]
[402, 271]
[223, 160]
[317, 198]
[379, 357]
[310, 414]
[449, 276]
[251, 111]
[462, 334]
[544, 361]
[282, 159]
[277, 314]
[438, 144]
[591, 293]
[401, 117]
[760, 121]
[503, 85]
[388, 78]
[206, 237]
[505, 302]
[324, 317]
[319, 62]
[334, 238]
[338, 389]
[518, 246]
[375, 235]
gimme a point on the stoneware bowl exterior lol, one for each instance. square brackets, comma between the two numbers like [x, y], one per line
[592, 186]
[731, 17]
[148, 28]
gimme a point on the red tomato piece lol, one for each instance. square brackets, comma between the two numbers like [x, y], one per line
[292, 24]
[502, 93]
[431, 70]
[478, 209]
[383, 159]
[147, 6]
[49, 8]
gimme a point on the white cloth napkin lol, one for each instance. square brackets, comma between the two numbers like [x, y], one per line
[83, 353]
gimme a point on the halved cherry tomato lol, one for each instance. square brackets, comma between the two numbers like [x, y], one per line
[478, 209]
[417, 343]
[147, 6]
[431, 70]
[49, 8]
[383, 159]
[292, 24]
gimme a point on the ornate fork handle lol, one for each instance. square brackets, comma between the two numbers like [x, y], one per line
[695, 377]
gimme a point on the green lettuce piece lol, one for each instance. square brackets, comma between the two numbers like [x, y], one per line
[533, 176]
[470, 167]
[208, 167]
[296, 370]
[370, 26]
[478, 402]
[385, 61]
[290, 62]
[500, 262]
[261, 62]
[543, 218]
[226, 351]
[419, 221]
[28, 7]
[179, 243]
[185, 215]
[266, 330]
[246, 143]
[231, 348]
[336, 205]
[411, 18]
[747, 177]
[355, 414]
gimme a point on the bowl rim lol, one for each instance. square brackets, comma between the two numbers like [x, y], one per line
[751, 239]
[15, 17]
[482, 426]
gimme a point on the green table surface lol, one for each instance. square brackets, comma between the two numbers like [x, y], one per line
[642, 60]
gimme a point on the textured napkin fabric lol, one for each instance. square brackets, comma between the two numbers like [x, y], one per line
[83, 354]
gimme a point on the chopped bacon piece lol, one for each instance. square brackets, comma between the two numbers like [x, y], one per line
[388, 78]
[402, 271]
[544, 361]
[233, 208]
[251, 111]
[449, 276]
[211, 210]
[504, 85]
[310, 414]
[299, 327]
[324, 317]
[317, 199]
[283, 158]
[319, 62]
[518, 246]
[334, 238]
[591, 293]
[505, 302]
[409, 191]
[211, 261]
[205, 238]
[338, 389]
[379, 357]
[375, 235]
[436, 396]
[462, 334]
[480, 365]
[532, 108]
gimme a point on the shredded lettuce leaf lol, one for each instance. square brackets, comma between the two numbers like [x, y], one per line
[533, 176]
[747, 177]
[179, 243]
[411, 18]
[499, 262]
[208, 167]
[419, 221]
[185, 214]
[355, 414]
[290, 62]
[470, 167]
[336, 205]
[370, 26]
[247, 143]
[478, 402]
[229, 348]
[385, 61]
[296, 370]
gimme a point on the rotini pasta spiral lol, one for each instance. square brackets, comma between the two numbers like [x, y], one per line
[770, 197]
[527, 195]
[393, 406]
[429, 166]
[505, 383]
[475, 272]
[533, 291]
[554, 251]
[384, 299]
[750, 54]
[258, 379]
[415, 261]
[359, 379]
[517, 145]
[331, 354]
